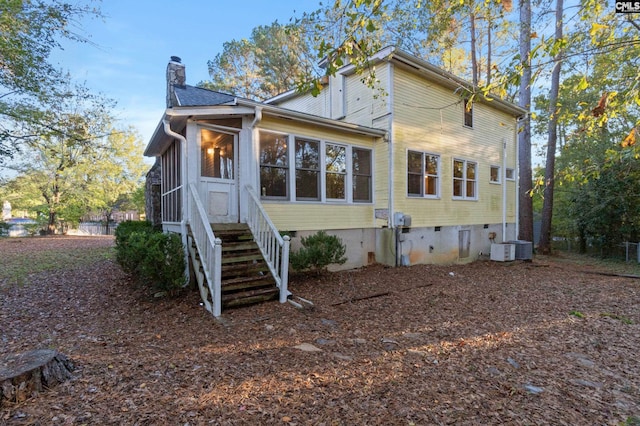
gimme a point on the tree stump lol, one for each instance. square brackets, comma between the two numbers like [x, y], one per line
[26, 374]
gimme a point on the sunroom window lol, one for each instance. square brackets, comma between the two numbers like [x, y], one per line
[307, 169]
[274, 165]
[336, 171]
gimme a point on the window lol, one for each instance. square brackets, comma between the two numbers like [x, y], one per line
[494, 174]
[464, 179]
[422, 174]
[361, 169]
[216, 154]
[274, 165]
[335, 171]
[510, 174]
[468, 113]
[314, 170]
[307, 169]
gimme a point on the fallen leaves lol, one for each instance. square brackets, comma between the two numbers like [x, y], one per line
[483, 343]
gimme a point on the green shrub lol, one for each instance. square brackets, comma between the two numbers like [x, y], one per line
[128, 227]
[154, 258]
[317, 252]
[163, 263]
[4, 228]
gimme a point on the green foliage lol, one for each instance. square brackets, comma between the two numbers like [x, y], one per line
[163, 264]
[265, 65]
[156, 259]
[129, 237]
[29, 83]
[577, 314]
[317, 252]
[4, 228]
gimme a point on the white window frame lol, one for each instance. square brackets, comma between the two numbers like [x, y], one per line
[513, 173]
[291, 180]
[499, 175]
[424, 174]
[464, 180]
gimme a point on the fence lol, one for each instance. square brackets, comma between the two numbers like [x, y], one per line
[627, 251]
[96, 228]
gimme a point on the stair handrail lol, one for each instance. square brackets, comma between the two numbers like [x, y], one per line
[273, 246]
[209, 247]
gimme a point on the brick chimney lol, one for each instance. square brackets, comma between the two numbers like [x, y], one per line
[176, 76]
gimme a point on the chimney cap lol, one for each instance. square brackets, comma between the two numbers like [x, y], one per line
[176, 59]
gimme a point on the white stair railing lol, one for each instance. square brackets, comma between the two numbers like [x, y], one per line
[274, 247]
[209, 248]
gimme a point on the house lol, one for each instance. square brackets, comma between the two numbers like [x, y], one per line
[409, 172]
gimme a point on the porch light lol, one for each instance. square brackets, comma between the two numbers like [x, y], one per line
[210, 151]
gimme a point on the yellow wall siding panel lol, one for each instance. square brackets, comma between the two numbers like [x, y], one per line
[313, 131]
[309, 104]
[365, 105]
[315, 216]
[429, 118]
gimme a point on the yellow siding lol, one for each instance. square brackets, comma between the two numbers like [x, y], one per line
[307, 103]
[365, 105]
[316, 216]
[314, 131]
[429, 118]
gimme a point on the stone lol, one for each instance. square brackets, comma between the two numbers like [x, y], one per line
[307, 347]
[533, 389]
[513, 363]
[342, 357]
[328, 322]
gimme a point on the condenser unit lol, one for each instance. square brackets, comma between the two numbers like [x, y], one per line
[503, 252]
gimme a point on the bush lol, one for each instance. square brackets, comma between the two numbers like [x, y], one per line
[163, 263]
[317, 252]
[155, 259]
[128, 227]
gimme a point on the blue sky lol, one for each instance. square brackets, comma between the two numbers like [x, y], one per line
[129, 50]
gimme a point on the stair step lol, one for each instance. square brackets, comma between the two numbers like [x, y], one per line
[241, 259]
[249, 297]
[239, 246]
[245, 283]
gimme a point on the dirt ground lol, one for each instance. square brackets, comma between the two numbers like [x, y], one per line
[543, 342]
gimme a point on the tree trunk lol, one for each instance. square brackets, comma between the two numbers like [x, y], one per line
[23, 375]
[547, 208]
[525, 217]
[474, 59]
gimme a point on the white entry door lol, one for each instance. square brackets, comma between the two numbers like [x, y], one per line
[218, 175]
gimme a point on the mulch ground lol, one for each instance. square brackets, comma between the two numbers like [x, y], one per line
[542, 342]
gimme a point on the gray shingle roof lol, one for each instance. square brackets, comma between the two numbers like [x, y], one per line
[195, 96]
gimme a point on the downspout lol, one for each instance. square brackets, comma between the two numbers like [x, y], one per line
[258, 118]
[517, 175]
[183, 178]
[504, 189]
[390, 167]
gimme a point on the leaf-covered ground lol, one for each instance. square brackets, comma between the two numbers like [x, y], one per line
[546, 342]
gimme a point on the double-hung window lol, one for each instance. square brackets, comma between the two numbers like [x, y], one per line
[335, 171]
[423, 174]
[362, 176]
[307, 169]
[465, 183]
[274, 165]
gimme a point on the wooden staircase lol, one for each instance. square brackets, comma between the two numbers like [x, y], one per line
[246, 278]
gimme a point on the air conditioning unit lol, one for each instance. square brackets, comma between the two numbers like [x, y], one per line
[503, 252]
[524, 249]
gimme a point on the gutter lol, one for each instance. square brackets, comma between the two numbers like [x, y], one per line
[183, 178]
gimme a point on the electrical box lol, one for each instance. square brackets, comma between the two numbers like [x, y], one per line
[503, 252]
[401, 219]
